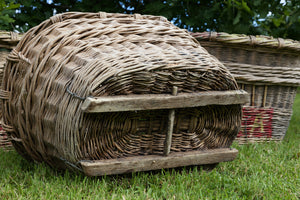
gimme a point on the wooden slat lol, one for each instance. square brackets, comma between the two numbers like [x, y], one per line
[163, 101]
[154, 162]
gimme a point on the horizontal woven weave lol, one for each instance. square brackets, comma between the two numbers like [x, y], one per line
[256, 58]
[9, 40]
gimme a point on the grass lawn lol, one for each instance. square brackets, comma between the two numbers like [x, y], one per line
[261, 171]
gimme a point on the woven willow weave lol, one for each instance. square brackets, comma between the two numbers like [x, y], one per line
[269, 70]
[72, 56]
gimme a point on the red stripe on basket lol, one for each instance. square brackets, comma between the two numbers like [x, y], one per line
[256, 122]
[4, 141]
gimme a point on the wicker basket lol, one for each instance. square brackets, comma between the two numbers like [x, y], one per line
[269, 70]
[8, 40]
[113, 93]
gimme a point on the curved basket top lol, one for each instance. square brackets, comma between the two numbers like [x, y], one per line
[242, 39]
[113, 46]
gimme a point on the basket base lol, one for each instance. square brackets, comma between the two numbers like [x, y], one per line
[154, 162]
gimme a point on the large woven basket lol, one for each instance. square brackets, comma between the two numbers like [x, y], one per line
[269, 70]
[65, 69]
[8, 40]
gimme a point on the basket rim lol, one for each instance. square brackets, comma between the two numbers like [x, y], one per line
[250, 40]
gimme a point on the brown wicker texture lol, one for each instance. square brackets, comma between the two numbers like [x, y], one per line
[72, 56]
[8, 40]
[3, 54]
[269, 70]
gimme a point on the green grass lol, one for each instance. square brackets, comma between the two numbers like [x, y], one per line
[261, 171]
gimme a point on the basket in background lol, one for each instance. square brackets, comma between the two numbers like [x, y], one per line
[269, 70]
[8, 40]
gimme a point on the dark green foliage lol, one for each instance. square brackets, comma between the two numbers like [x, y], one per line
[284, 20]
[7, 9]
[254, 17]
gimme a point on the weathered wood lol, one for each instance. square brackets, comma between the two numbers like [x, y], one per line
[168, 140]
[154, 162]
[163, 101]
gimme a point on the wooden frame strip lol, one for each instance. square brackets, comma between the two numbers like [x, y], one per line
[163, 101]
[154, 162]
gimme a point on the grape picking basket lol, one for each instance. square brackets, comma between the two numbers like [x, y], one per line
[269, 70]
[8, 41]
[115, 93]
